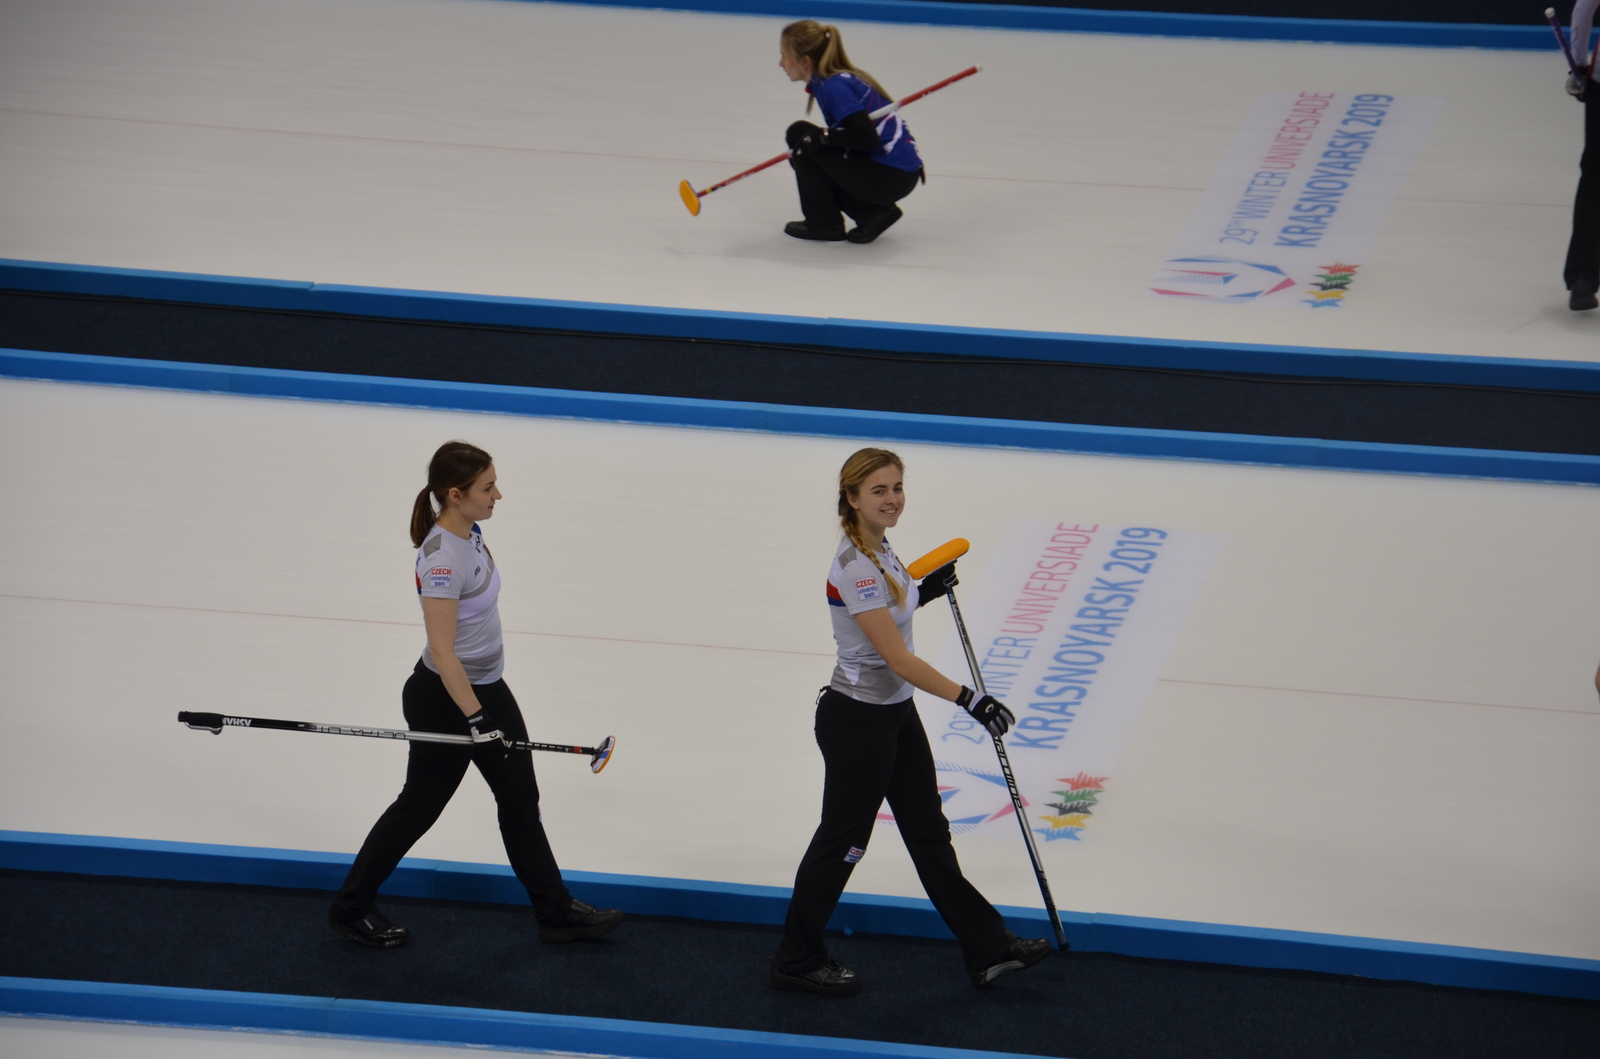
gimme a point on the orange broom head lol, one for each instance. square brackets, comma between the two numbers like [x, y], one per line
[948, 552]
[690, 199]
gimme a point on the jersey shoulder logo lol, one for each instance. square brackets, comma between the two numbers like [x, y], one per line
[867, 588]
[439, 577]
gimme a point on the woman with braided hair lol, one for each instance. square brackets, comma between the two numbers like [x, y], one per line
[874, 748]
[853, 165]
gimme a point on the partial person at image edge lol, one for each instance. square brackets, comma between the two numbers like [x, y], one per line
[1582, 273]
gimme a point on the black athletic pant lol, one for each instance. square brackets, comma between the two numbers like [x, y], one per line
[872, 753]
[433, 773]
[830, 180]
[1583, 252]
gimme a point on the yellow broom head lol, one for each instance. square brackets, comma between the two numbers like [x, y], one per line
[948, 552]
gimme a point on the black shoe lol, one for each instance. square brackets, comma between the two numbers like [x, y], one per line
[1583, 290]
[802, 230]
[831, 979]
[371, 929]
[1022, 954]
[582, 923]
[875, 225]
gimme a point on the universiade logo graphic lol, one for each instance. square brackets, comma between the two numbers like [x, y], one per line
[1227, 279]
[1331, 285]
[975, 797]
[1310, 177]
[1223, 279]
[1071, 622]
[1076, 805]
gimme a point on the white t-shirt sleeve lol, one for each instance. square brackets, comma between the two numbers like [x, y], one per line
[1582, 21]
[862, 587]
[442, 575]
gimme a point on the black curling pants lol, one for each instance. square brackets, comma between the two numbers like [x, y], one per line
[433, 772]
[1583, 252]
[873, 753]
[830, 180]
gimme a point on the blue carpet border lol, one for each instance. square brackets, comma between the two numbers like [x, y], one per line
[1533, 37]
[757, 328]
[791, 419]
[1448, 965]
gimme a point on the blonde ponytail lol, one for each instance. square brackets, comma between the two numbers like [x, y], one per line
[861, 465]
[824, 46]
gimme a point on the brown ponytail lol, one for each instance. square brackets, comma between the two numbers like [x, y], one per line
[863, 464]
[455, 466]
[825, 48]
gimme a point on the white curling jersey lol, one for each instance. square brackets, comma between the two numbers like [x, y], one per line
[854, 586]
[451, 568]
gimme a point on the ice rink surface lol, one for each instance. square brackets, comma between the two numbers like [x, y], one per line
[63, 1039]
[534, 150]
[1379, 719]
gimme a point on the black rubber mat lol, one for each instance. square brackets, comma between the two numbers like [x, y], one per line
[1085, 1006]
[1040, 391]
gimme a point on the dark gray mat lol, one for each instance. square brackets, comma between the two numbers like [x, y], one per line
[1040, 391]
[1085, 1006]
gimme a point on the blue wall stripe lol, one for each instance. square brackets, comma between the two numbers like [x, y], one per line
[300, 296]
[790, 419]
[877, 914]
[1535, 36]
[428, 1024]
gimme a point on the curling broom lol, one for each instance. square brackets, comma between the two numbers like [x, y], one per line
[1561, 38]
[943, 555]
[216, 722]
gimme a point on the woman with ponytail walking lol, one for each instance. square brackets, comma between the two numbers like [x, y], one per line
[874, 748]
[457, 688]
[853, 166]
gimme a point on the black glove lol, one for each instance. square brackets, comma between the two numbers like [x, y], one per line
[939, 583]
[486, 734]
[811, 142]
[805, 138]
[1577, 86]
[987, 711]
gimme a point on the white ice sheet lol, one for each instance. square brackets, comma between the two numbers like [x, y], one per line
[1380, 719]
[534, 149]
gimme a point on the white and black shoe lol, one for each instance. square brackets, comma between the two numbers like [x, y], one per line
[831, 979]
[372, 930]
[582, 922]
[1020, 955]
